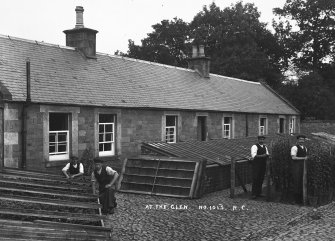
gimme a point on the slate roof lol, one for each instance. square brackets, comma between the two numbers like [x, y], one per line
[62, 75]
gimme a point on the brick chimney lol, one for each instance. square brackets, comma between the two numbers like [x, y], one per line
[199, 62]
[84, 39]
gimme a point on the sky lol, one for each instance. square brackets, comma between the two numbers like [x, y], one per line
[116, 20]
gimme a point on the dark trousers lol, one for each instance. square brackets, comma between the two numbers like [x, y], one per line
[297, 172]
[107, 199]
[258, 172]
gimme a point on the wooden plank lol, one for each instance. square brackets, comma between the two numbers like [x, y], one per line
[232, 177]
[53, 229]
[46, 236]
[21, 190]
[167, 177]
[50, 202]
[41, 185]
[159, 194]
[61, 180]
[304, 184]
[40, 226]
[161, 185]
[51, 214]
[73, 226]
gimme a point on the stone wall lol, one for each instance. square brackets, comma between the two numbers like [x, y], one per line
[12, 135]
[133, 126]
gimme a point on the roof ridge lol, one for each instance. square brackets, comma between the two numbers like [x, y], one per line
[173, 67]
[232, 78]
[145, 61]
[36, 42]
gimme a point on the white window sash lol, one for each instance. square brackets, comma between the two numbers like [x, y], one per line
[112, 141]
[262, 128]
[226, 131]
[170, 134]
[57, 155]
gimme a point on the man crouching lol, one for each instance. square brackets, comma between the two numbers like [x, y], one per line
[106, 178]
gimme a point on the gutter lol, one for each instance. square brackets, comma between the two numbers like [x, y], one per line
[24, 117]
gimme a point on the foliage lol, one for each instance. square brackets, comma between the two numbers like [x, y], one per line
[280, 165]
[312, 95]
[320, 168]
[238, 44]
[307, 32]
[165, 45]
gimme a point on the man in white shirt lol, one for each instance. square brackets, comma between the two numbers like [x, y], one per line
[73, 169]
[298, 155]
[106, 178]
[259, 155]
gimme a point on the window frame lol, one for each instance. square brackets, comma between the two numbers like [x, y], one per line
[57, 156]
[292, 125]
[113, 144]
[174, 128]
[263, 130]
[284, 124]
[229, 125]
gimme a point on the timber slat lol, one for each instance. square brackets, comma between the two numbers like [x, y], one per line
[166, 177]
[51, 214]
[51, 193]
[41, 185]
[72, 226]
[21, 190]
[61, 181]
[40, 175]
[50, 231]
[50, 202]
[156, 184]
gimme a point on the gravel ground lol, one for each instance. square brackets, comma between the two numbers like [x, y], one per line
[215, 216]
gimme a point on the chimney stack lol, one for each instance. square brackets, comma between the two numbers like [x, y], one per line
[84, 39]
[199, 62]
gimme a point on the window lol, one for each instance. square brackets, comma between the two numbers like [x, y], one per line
[262, 126]
[171, 129]
[106, 135]
[58, 136]
[202, 128]
[292, 125]
[281, 125]
[227, 127]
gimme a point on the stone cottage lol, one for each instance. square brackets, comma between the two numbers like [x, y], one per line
[58, 101]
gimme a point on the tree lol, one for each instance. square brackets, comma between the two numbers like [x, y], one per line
[238, 44]
[312, 96]
[165, 45]
[308, 33]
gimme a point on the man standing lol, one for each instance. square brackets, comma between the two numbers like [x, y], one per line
[106, 178]
[73, 169]
[299, 155]
[259, 155]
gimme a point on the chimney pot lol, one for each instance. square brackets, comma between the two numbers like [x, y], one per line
[199, 62]
[79, 17]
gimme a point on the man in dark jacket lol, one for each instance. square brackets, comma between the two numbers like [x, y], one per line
[259, 155]
[73, 169]
[299, 155]
[106, 177]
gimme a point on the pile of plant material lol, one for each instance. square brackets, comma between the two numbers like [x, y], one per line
[320, 170]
